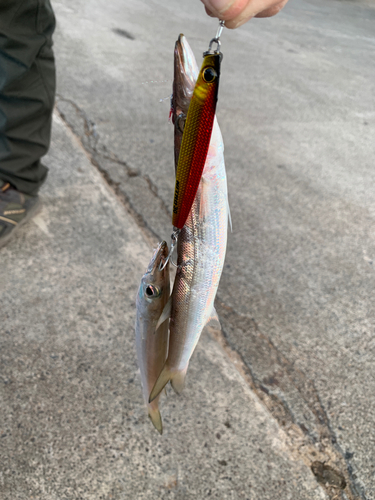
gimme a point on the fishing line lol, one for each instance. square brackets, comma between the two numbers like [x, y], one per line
[156, 81]
[165, 98]
[168, 97]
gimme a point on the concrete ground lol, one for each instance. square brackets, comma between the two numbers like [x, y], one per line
[73, 420]
[281, 403]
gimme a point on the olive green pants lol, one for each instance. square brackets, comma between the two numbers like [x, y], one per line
[27, 91]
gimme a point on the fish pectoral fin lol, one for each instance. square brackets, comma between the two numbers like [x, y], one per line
[155, 418]
[213, 320]
[178, 381]
[166, 313]
[160, 383]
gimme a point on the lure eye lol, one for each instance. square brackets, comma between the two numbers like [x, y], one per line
[151, 291]
[209, 75]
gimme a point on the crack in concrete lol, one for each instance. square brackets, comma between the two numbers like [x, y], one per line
[127, 183]
[273, 378]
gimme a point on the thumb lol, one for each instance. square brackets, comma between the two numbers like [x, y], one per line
[225, 9]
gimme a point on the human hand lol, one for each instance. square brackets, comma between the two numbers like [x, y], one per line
[238, 12]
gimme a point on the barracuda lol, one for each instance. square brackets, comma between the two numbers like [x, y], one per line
[152, 339]
[201, 243]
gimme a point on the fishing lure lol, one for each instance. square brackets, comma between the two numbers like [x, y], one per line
[197, 132]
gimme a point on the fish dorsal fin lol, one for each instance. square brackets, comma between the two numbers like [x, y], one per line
[229, 216]
[165, 314]
[213, 320]
[203, 198]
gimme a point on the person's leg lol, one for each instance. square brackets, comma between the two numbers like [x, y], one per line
[27, 91]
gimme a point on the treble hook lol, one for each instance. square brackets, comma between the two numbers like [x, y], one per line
[174, 238]
[216, 39]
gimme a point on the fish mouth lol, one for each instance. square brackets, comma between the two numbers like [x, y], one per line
[159, 257]
[185, 64]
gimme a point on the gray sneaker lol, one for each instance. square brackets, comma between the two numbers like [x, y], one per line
[15, 209]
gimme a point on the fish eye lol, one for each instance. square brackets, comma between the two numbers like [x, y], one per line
[151, 291]
[209, 75]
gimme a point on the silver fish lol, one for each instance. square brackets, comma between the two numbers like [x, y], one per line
[201, 244]
[185, 75]
[152, 341]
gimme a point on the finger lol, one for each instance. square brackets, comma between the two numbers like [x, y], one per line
[238, 12]
[272, 11]
[255, 8]
[225, 9]
[209, 13]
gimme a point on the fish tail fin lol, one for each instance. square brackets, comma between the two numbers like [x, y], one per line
[161, 382]
[155, 418]
[178, 381]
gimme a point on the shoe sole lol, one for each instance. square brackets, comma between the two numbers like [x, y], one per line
[30, 214]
